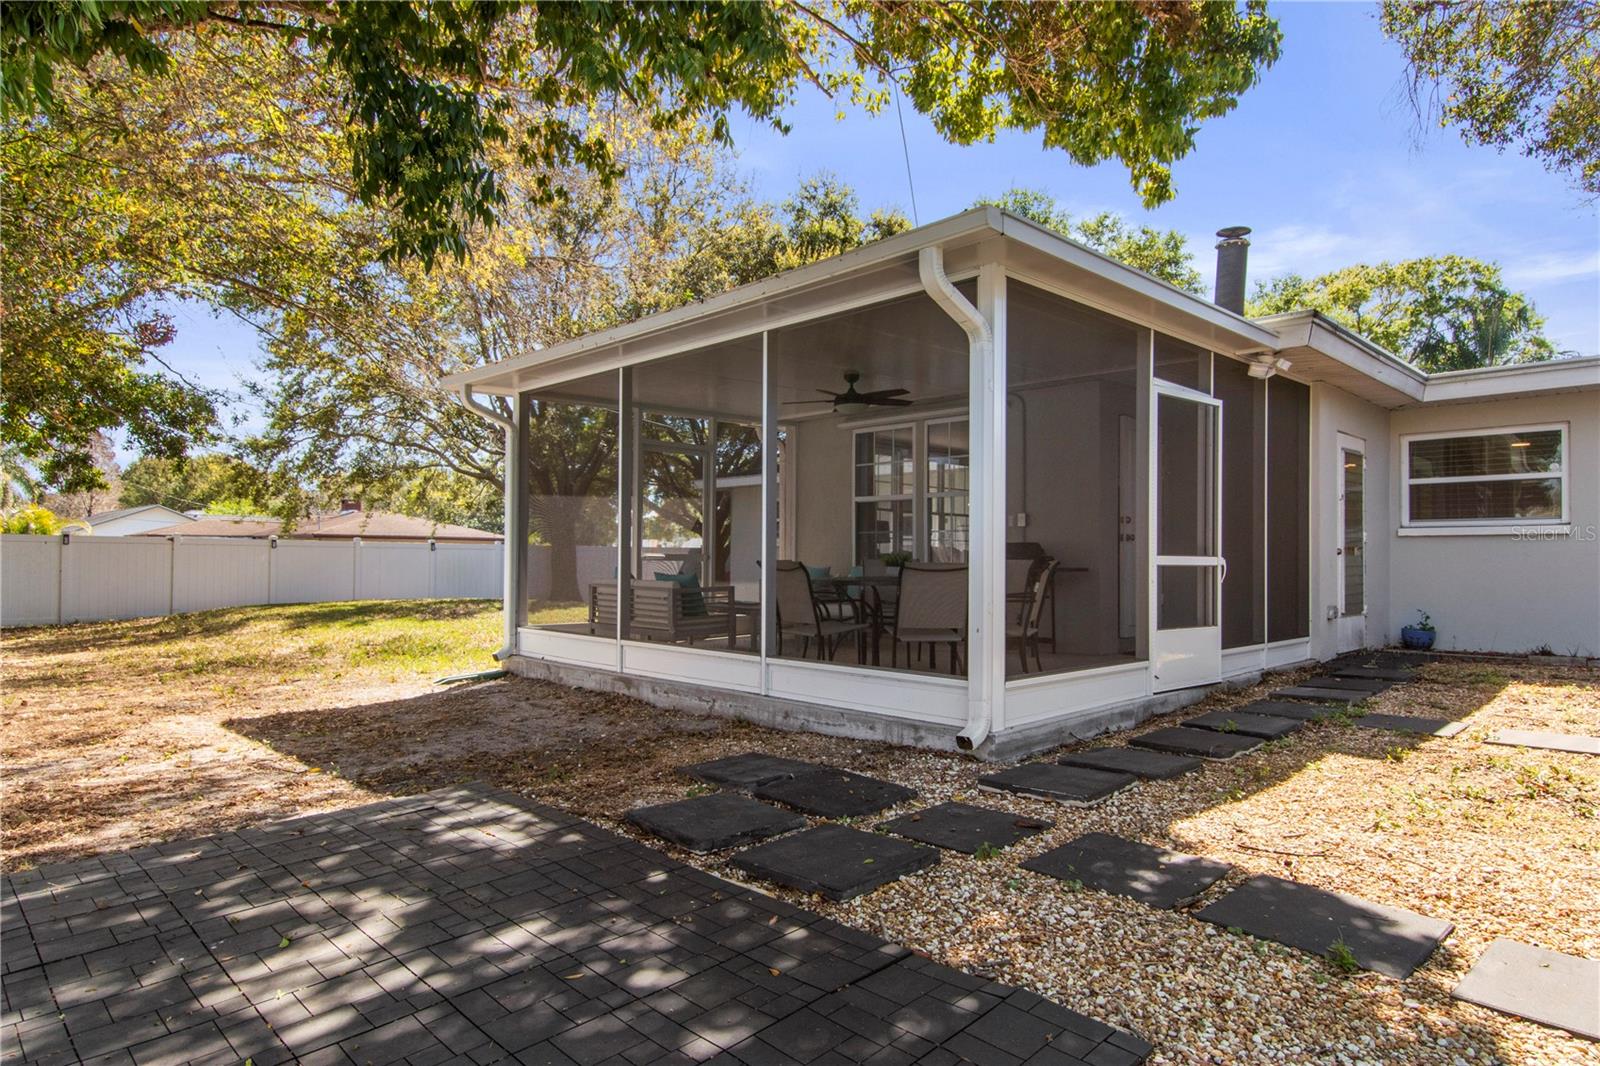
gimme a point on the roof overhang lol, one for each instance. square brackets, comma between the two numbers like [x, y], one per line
[1321, 350]
[1516, 379]
[880, 271]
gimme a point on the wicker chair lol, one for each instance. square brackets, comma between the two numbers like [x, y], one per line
[801, 614]
[931, 610]
[1024, 633]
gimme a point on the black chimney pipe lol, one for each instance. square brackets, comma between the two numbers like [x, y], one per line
[1233, 249]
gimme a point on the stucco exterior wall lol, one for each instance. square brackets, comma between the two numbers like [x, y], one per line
[824, 503]
[1505, 592]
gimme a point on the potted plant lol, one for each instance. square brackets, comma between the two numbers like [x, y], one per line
[895, 560]
[1420, 635]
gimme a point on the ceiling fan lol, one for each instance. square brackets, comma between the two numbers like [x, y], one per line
[851, 402]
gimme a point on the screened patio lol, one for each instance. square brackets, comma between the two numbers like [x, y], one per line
[949, 483]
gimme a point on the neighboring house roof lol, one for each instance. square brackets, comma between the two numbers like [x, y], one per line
[1318, 348]
[368, 525]
[147, 509]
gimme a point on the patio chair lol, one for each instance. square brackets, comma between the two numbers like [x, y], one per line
[801, 614]
[1018, 585]
[931, 610]
[667, 610]
[1024, 633]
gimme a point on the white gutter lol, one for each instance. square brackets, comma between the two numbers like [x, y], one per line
[930, 267]
[516, 546]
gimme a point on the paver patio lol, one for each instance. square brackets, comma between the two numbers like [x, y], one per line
[470, 925]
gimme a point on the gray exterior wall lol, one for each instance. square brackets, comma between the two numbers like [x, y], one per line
[1501, 592]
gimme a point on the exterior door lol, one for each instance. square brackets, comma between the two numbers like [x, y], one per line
[1351, 547]
[1187, 568]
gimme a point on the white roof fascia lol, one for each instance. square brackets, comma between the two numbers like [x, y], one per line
[744, 311]
[1308, 329]
[1234, 333]
[879, 253]
[1513, 379]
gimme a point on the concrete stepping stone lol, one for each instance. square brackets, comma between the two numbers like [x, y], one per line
[964, 827]
[829, 793]
[1075, 786]
[1151, 875]
[1402, 723]
[1321, 695]
[1236, 720]
[1376, 673]
[1151, 765]
[1537, 984]
[835, 860]
[1201, 743]
[1532, 738]
[747, 770]
[1351, 684]
[1304, 712]
[711, 823]
[1386, 940]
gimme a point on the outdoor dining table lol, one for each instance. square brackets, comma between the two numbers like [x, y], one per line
[873, 605]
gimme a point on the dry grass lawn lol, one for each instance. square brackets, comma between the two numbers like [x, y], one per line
[119, 734]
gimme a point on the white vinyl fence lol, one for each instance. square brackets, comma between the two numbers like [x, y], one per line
[48, 580]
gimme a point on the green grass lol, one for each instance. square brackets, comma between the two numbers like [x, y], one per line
[384, 640]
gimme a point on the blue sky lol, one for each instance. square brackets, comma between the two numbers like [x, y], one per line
[1323, 159]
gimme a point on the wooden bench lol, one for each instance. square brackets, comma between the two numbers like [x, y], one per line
[659, 612]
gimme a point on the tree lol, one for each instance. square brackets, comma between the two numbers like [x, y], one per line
[1509, 73]
[195, 483]
[1440, 313]
[94, 498]
[1162, 253]
[32, 518]
[429, 91]
[214, 187]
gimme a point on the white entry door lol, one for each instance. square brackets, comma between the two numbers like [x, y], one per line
[1187, 567]
[1351, 479]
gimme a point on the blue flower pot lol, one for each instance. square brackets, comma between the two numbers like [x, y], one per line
[1412, 637]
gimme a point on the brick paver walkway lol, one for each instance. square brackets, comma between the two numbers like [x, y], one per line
[473, 926]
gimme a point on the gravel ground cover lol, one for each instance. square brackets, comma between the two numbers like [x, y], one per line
[125, 733]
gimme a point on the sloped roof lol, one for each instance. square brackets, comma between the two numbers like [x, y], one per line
[111, 516]
[368, 525]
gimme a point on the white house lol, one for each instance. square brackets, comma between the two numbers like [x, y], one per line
[1114, 494]
[130, 521]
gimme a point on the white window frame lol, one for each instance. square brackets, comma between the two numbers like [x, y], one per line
[909, 497]
[929, 494]
[1460, 526]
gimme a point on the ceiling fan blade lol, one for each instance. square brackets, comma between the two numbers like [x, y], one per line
[807, 403]
[829, 392]
[884, 394]
[885, 402]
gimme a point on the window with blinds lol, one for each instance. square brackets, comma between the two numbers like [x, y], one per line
[1500, 476]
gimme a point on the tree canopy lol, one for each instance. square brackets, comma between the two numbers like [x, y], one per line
[1508, 73]
[1162, 253]
[431, 93]
[1439, 313]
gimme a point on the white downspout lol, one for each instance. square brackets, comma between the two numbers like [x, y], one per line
[513, 516]
[980, 340]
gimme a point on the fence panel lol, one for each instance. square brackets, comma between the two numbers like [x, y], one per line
[115, 577]
[469, 571]
[44, 581]
[30, 580]
[308, 571]
[393, 571]
[209, 572]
